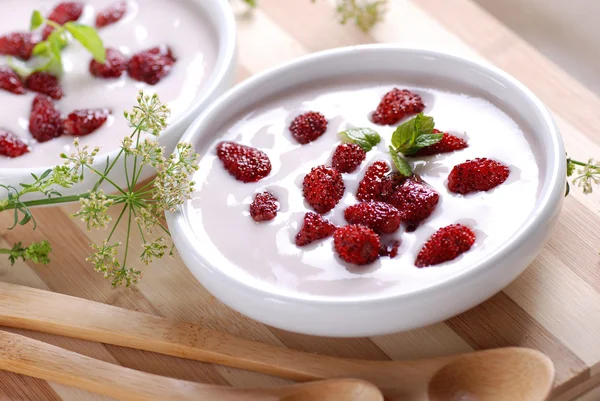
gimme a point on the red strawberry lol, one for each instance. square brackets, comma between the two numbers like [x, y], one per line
[372, 183]
[446, 244]
[43, 82]
[111, 14]
[44, 121]
[18, 44]
[390, 249]
[323, 188]
[315, 227]
[11, 145]
[150, 66]
[477, 175]
[114, 66]
[63, 13]
[308, 127]
[243, 162]
[356, 244]
[379, 216]
[390, 184]
[415, 200]
[448, 143]
[10, 81]
[395, 105]
[85, 121]
[264, 207]
[347, 157]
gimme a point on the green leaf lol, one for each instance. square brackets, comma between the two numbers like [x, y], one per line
[428, 140]
[401, 164]
[41, 49]
[415, 134]
[89, 38]
[568, 189]
[251, 3]
[366, 138]
[36, 20]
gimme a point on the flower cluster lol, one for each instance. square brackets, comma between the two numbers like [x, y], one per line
[141, 205]
[588, 174]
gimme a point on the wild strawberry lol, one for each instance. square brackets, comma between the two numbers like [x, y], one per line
[390, 249]
[44, 121]
[323, 188]
[43, 82]
[372, 183]
[11, 145]
[347, 157]
[314, 228]
[356, 244]
[379, 216]
[111, 14]
[18, 44]
[477, 175]
[264, 207]
[63, 13]
[446, 244]
[448, 143]
[150, 66]
[243, 162]
[415, 200]
[114, 66]
[308, 127]
[85, 121]
[395, 105]
[390, 184]
[10, 81]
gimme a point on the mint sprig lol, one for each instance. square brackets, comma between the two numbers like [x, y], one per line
[366, 138]
[48, 52]
[415, 134]
[409, 137]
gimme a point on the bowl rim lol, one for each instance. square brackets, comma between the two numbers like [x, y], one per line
[226, 32]
[548, 200]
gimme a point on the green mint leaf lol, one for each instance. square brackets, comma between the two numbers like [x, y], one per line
[366, 138]
[415, 134]
[251, 3]
[36, 20]
[428, 140]
[41, 49]
[401, 164]
[89, 38]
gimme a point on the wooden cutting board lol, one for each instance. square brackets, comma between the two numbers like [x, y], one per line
[554, 306]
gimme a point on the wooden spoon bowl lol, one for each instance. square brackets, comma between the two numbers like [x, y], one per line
[496, 375]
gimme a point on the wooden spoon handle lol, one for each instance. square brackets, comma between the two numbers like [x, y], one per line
[49, 312]
[23, 355]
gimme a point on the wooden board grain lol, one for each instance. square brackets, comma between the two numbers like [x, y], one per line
[554, 306]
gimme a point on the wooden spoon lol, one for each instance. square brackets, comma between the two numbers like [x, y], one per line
[514, 374]
[20, 354]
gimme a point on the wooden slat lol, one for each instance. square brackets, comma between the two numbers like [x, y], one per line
[554, 306]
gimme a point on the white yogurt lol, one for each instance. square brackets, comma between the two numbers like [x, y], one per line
[265, 255]
[148, 23]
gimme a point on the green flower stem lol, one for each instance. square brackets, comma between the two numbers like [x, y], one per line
[578, 163]
[5, 251]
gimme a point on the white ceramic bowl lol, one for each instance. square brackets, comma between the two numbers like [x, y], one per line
[366, 317]
[219, 14]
